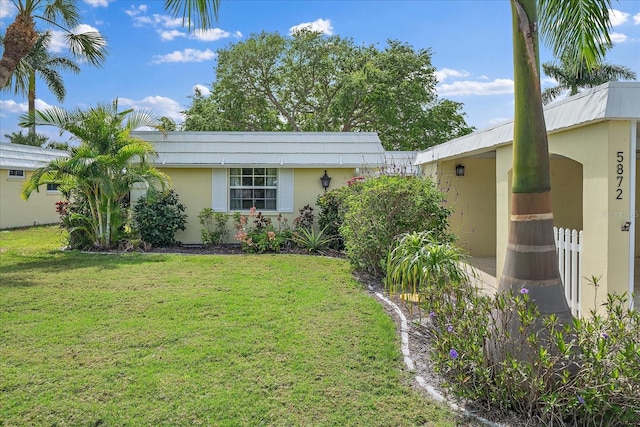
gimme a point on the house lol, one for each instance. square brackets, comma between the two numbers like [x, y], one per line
[17, 163]
[277, 172]
[593, 147]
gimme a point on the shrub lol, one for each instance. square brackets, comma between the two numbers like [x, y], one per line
[379, 209]
[215, 226]
[261, 235]
[158, 216]
[75, 217]
[311, 240]
[582, 374]
[305, 219]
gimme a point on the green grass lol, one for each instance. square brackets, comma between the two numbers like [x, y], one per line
[141, 339]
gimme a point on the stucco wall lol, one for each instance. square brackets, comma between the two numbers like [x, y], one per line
[15, 212]
[594, 149]
[473, 199]
[194, 188]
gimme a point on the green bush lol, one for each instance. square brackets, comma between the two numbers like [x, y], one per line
[215, 226]
[311, 240]
[380, 209]
[585, 374]
[261, 235]
[158, 216]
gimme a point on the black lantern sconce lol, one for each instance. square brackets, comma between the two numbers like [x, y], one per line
[459, 170]
[325, 180]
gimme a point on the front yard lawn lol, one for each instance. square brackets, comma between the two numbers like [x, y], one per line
[163, 339]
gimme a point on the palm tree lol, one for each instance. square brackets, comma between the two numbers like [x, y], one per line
[203, 12]
[571, 78]
[39, 61]
[21, 35]
[102, 169]
[576, 30]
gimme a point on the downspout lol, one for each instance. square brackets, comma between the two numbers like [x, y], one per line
[632, 209]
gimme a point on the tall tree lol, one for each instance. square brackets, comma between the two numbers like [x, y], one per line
[578, 29]
[40, 62]
[313, 82]
[103, 167]
[21, 35]
[32, 139]
[571, 78]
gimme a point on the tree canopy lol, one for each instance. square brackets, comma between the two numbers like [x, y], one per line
[312, 82]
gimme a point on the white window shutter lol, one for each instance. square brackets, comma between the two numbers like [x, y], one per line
[219, 191]
[285, 190]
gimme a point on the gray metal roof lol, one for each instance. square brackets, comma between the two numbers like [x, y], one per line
[610, 101]
[16, 156]
[288, 149]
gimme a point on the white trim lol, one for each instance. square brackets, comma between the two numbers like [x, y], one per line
[632, 208]
[285, 190]
[219, 190]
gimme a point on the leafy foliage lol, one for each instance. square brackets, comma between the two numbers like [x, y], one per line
[333, 207]
[103, 168]
[311, 240]
[158, 216]
[312, 82]
[215, 226]
[261, 235]
[32, 139]
[379, 209]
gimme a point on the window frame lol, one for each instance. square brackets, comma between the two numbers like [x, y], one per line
[17, 177]
[260, 188]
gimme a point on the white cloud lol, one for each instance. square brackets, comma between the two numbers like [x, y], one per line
[59, 41]
[444, 73]
[158, 105]
[9, 106]
[618, 38]
[617, 17]
[204, 91]
[320, 25]
[97, 3]
[135, 11]
[465, 88]
[213, 35]
[636, 19]
[155, 20]
[171, 34]
[187, 55]
[6, 8]
[12, 107]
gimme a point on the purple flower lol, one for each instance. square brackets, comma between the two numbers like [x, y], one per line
[449, 328]
[524, 291]
[581, 399]
[605, 335]
[453, 354]
[432, 314]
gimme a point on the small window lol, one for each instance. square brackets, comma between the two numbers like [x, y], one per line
[53, 187]
[253, 187]
[16, 173]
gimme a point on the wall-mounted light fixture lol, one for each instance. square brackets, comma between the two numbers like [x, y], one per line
[325, 180]
[459, 170]
[626, 226]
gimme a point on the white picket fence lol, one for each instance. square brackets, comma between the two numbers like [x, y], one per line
[569, 249]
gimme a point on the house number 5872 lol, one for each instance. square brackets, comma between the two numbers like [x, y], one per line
[619, 174]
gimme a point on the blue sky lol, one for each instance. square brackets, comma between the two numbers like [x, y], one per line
[154, 63]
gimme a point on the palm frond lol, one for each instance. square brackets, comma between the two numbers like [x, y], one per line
[202, 14]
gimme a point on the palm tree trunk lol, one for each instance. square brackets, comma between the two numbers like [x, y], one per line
[531, 261]
[31, 96]
[18, 41]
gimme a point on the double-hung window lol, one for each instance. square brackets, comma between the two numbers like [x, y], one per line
[16, 173]
[253, 187]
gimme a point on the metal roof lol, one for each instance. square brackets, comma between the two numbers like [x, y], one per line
[26, 157]
[288, 149]
[610, 101]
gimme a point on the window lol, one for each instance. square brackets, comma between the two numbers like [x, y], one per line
[253, 187]
[16, 173]
[53, 187]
